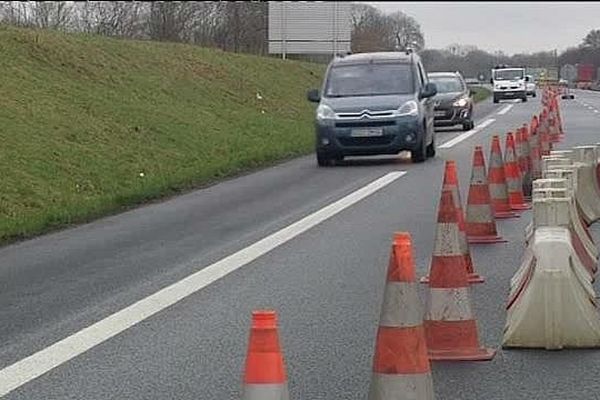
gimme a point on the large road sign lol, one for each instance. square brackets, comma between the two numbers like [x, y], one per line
[568, 72]
[309, 27]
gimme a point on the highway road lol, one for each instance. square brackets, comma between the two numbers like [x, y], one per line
[324, 276]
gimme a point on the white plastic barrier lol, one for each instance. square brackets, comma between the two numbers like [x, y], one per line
[554, 308]
[587, 159]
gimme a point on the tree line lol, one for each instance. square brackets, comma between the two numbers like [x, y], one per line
[242, 26]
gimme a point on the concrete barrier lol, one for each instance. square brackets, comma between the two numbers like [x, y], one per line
[552, 309]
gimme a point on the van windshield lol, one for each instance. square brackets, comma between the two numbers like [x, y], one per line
[369, 80]
[508, 74]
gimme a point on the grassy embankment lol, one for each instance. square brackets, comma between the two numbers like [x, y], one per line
[91, 125]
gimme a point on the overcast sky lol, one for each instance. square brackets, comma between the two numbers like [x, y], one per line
[512, 27]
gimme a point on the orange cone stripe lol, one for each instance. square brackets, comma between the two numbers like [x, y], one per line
[401, 351]
[452, 335]
[264, 362]
[446, 272]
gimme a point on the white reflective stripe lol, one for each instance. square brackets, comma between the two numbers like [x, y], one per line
[266, 391]
[479, 213]
[478, 176]
[401, 387]
[463, 243]
[498, 191]
[496, 161]
[449, 304]
[401, 305]
[447, 241]
[513, 184]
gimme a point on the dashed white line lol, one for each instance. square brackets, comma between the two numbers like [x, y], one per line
[27, 369]
[468, 134]
[505, 109]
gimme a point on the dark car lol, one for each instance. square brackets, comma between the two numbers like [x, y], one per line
[453, 101]
[374, 103]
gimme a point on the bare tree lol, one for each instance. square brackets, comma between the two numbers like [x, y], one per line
[592, 39]
[51, 14]
[406, 31]
[370, 30]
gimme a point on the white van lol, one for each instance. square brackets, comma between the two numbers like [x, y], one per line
[509, 83]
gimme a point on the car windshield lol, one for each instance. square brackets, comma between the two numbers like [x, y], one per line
[508, 74]
[369, 80]
[447, 84]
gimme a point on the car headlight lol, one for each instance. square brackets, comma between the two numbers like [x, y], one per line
[409, 108]
[460, 102]
[497, 86]
[324, 112]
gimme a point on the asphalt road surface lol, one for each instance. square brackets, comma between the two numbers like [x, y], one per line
[324, 276]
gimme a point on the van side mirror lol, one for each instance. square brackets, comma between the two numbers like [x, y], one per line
[526, 79]
[313, 96]
[492, 81]
[429, 90]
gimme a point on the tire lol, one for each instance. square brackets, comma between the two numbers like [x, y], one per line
[430, 151]
[324, 159]
[496, 99]
[468, 125]
[419, 155]
[524, 99]
[534, 95]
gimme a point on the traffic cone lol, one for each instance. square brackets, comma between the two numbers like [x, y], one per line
[401, 368]
[523, 161]
[513, 176]
[534, 146]
[497, 182]
[451, 182]
[480, 222]
[450, 326]
[265, 374]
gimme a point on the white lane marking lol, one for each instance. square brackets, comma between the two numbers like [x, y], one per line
[51, 357]
[505, 109]
[466, 135]
[595, 111]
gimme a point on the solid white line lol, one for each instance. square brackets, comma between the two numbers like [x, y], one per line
[466, 135]
[505, 109]
[51, 357]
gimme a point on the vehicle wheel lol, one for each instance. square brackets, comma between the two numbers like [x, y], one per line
[419, 155]
[524, 99]
[534, 95]
[324, 159]
[495, 99]
[468, 125]
[430, 151]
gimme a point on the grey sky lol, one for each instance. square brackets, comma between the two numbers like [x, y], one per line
[512, 27]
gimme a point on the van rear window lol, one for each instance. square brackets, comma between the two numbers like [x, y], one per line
[369, 80]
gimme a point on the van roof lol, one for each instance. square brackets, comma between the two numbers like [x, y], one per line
[385, 56]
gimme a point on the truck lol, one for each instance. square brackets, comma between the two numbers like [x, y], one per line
[585, 75]
[508, 83]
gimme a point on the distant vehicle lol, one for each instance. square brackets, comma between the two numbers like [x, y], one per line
[585, 75]
[453, 101]
[509, 83]
[472, 81]
[531, 86]
[374, 103]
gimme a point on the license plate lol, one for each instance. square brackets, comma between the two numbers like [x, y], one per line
[366, 132]
[440, 113]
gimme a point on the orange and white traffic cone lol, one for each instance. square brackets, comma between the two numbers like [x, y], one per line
[265, 374]
[497, 182]
[513, 176]
[534, 146]
[522, 147]
[450, 326]
[451, 182]
[401, 368]
[480, 221]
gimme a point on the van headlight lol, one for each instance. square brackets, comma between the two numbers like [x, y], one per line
[409, 108]
[460, 102]
[324, 112]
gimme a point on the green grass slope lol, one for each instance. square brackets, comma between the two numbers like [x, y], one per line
[89, 125]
